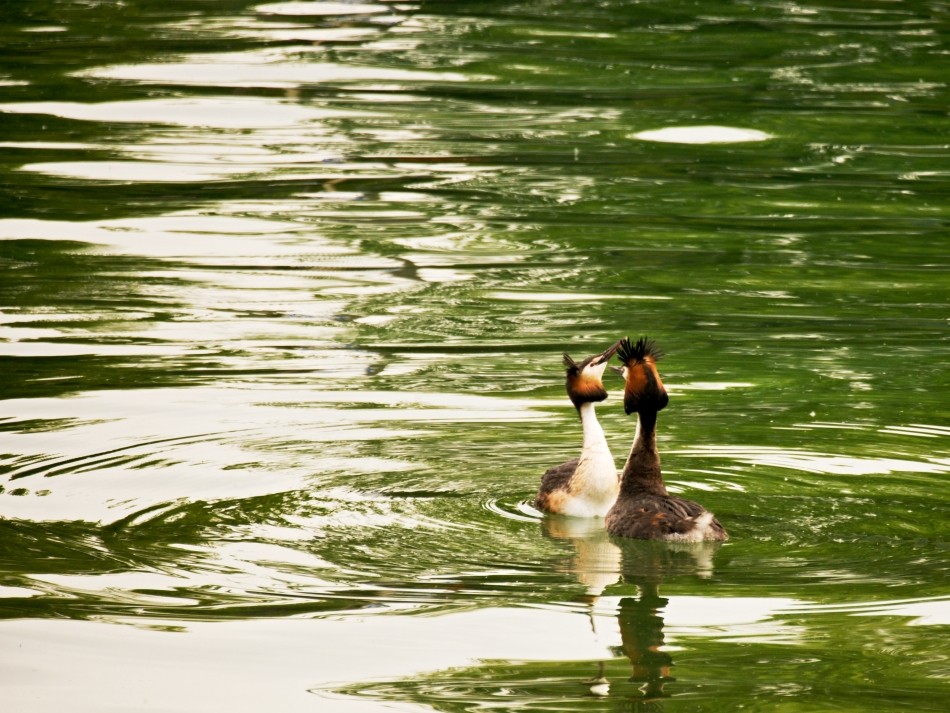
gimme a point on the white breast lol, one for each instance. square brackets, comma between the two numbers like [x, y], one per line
[594, 487]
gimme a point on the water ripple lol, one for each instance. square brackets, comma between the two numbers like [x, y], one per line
[517, 511]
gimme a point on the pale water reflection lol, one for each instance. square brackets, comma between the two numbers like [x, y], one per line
[702, 135]
[273, 68]
[221, 112]
[160, 451]
[286, 663]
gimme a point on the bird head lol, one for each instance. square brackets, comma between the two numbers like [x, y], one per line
[643, 389]
[584, 380]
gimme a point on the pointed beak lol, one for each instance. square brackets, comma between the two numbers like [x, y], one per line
[616, 370]
[607, 355]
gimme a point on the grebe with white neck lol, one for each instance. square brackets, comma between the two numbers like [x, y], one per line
[586, 486]
[644, 509]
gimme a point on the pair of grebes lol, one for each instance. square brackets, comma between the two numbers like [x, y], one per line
[635, 503]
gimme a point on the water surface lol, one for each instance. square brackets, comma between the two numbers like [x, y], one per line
[285, 291]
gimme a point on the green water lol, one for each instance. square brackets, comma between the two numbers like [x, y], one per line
[284, 293]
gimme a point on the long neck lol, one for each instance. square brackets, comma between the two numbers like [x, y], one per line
[641, 473]
[594, 439]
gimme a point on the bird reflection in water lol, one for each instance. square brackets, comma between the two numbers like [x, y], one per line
[596, 563]
[647, 564]
[641, 633]
[596, 560]
[599, 561]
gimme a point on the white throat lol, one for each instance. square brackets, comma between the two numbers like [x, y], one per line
[594, 439]
[594, 484]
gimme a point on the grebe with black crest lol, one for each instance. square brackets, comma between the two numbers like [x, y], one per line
[644, 509]
[586, 486]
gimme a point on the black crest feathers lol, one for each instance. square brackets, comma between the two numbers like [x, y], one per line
[643, 348]
[572, 366]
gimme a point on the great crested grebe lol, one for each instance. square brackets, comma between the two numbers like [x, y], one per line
[644, 509]
[586, 486]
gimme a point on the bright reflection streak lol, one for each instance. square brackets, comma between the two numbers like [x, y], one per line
[808, 462]
[136, 171]
[319, 9]
[211, 112]
[702, 135]
[568, 296]
[265, 68]
[181, 235]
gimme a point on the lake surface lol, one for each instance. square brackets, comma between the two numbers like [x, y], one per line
[285, 288]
